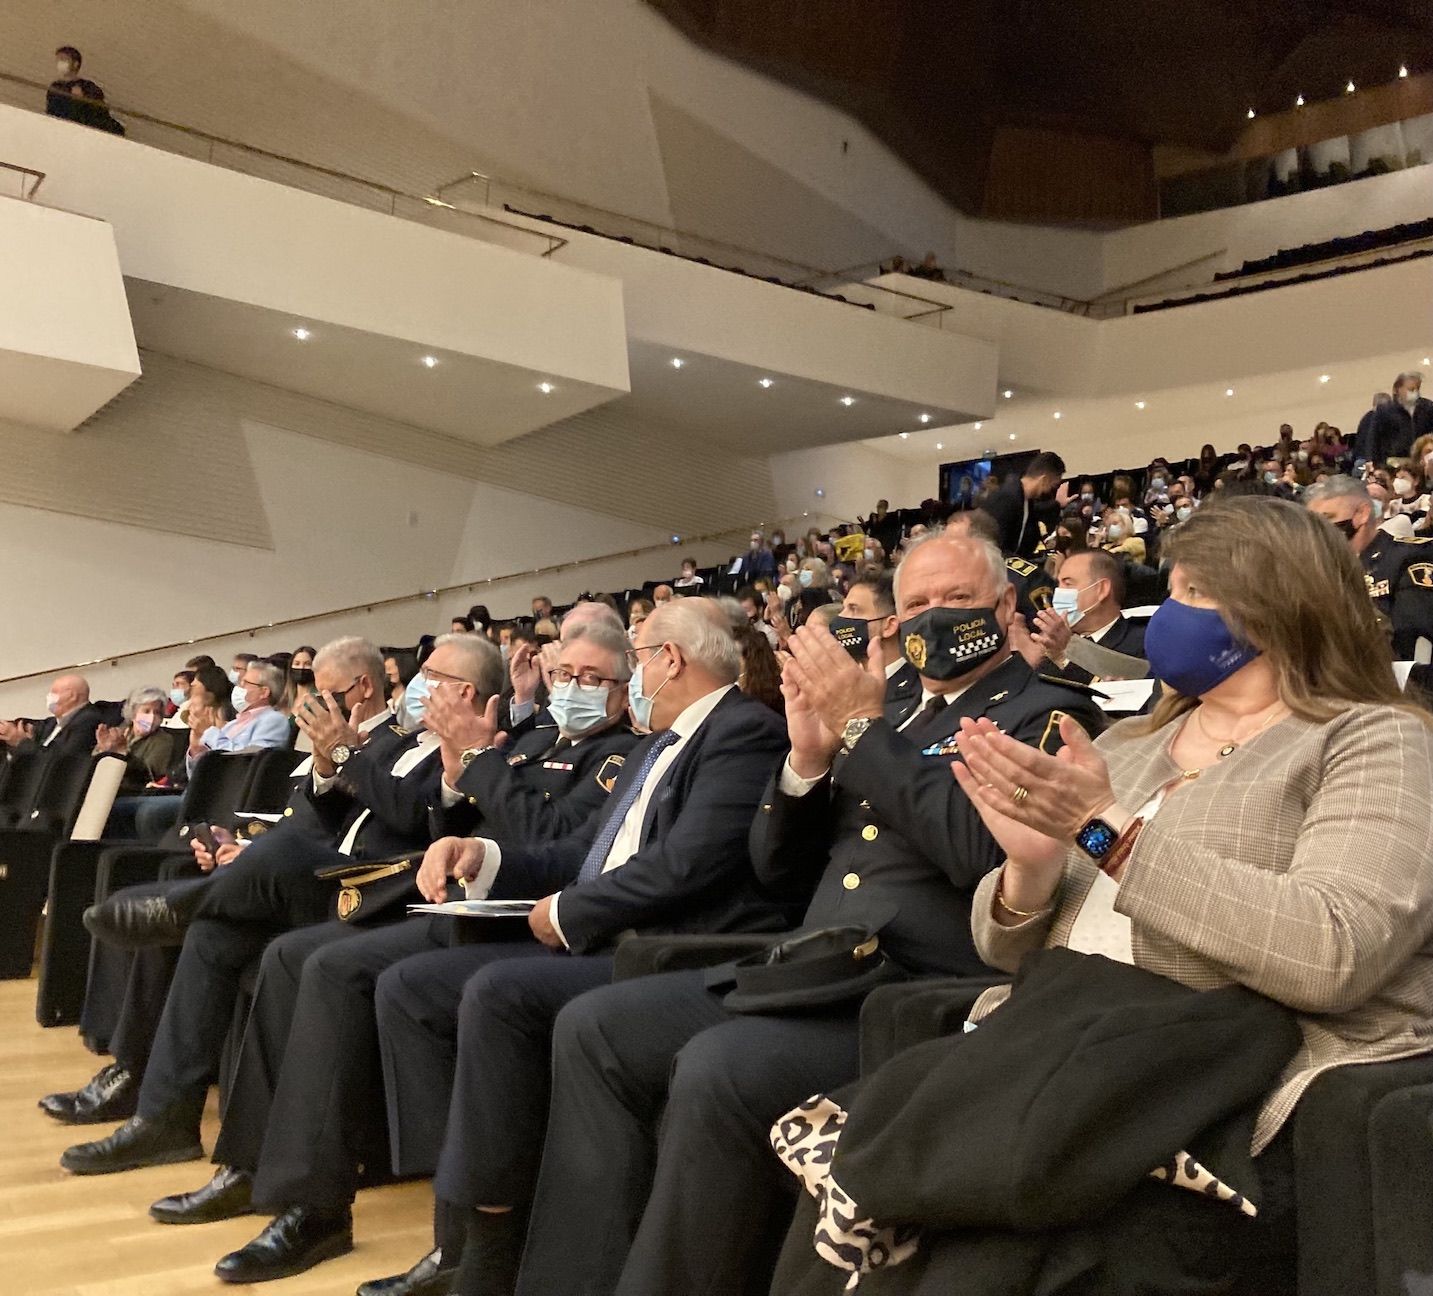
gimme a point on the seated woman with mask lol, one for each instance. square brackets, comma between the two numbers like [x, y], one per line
[1266, 826]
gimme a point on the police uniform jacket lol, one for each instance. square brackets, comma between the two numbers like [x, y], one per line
[541, 789]
[889, 840]
[1400, 583]
[398, 818]
[1033, 586]
[903, 688]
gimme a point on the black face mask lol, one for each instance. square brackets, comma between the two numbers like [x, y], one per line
[853, 634]
[1348, 528]
[944, 643]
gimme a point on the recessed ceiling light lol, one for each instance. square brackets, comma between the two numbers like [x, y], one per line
[1299, 102]
[765, 382]
[820, 494]
[848, 400]
[940, 445]
[546, 388]
[1403, 69]
[978, 426]
[1012, 436]
[1139, 405]
[905, 436]
[677, 362]
[1058, 414]
[1349, 88]
[924, 418]
[1323, 378]
[1250, 114]
[1425, 360]
[302, 334]
[430, 362]
[1228, 391]
[1007, 393]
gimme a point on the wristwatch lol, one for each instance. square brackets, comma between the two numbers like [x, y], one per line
[851, 734]
[340, 753]
[471, 754]
[1097, 838]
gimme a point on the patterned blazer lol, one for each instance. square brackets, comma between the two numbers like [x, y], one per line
[1300, 866]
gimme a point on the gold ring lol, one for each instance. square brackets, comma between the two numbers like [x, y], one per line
[1019, 794]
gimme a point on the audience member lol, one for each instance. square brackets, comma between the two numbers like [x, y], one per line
[1400, 422]
[154, 754]
[759, 561]
[75, 98]
[1087, 606]
[689, 580]
[1398, 573]
[541, 608]
[662, 594]
[1025, 507]
[69, 725]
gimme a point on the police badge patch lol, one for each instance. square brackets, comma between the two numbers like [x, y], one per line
[915, 651]
[607, 775]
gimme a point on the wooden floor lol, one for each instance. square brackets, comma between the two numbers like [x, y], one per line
[61, 1235]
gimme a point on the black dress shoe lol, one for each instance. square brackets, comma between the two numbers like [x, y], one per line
[138, 1142]
[228, 1194]
[429, 1277]
[136, 921]
[492, 1253]
[300, 1238]
[111, 1095]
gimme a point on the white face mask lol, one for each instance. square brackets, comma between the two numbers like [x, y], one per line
[1410, 397]
[1183, 512]
[1402, 486]
[63, 68]
[1115, 531]
[52, 702]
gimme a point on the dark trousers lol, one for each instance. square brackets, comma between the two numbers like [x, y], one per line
[500, 1090]
[189, 1039]
[661, 1106]
[416, 1005]
[307, 1110]
[272, 881]
[124, 996]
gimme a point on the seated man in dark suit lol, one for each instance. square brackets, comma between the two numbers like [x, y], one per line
[305, 1108]
[668, 854]
[1087, 605]
[70, 725]
[369, 798]
[1025, 507]
[860, 824]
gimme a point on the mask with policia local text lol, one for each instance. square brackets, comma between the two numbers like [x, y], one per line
[944, 643]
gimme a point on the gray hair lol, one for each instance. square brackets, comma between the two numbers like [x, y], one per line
[589, 613]
[1410, 376]
[1340, 487]
[689, 624]
[142, 696]
[820, 573]
[606, 638]
[352, 653]
[274, 678]
[992, 555]
[735, 613]
[481, 664]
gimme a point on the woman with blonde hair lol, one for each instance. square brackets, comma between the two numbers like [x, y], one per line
[1118, 537]
[1267, 826]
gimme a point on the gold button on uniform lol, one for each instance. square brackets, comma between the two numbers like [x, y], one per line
[851, 881]
[870, 832]
[288, 810]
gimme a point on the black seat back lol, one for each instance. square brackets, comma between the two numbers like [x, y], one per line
[270, 781]
[215, 791]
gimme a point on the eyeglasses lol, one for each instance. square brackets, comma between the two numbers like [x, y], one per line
[586, 678]
[438, 677]
[634, 661]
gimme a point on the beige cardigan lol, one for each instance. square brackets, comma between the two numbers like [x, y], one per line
[1300, 866]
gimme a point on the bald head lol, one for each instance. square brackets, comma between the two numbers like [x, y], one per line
[70, 692]
[589, 614]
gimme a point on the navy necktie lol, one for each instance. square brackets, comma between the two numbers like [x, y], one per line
[612, 825]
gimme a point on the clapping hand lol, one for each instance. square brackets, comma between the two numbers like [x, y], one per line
[524, 672]
[326, 729]
[1052, 632]
[111, 738]
[835, 686]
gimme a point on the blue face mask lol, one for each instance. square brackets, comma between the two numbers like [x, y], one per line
[240, 698]
[578, 710]
[1192, 649]
[1066, 603]
[179, 696]
[806, 578]
[638, 700]
[414, 696]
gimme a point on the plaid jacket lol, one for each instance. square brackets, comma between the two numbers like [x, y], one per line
[1301, 866]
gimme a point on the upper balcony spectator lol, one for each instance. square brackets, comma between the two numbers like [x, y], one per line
[75, 98]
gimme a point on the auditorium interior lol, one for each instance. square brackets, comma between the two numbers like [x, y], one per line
[522, 459]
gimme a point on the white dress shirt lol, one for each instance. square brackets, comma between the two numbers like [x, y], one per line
[629, 835]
